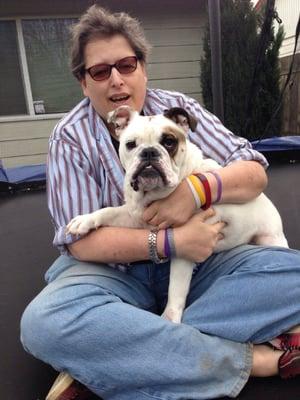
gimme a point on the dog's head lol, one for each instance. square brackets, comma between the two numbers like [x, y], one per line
[152, 148]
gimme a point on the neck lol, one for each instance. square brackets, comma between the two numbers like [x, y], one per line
[111, 128]
[139, 200]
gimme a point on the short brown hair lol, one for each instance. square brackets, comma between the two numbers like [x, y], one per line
[98, 22]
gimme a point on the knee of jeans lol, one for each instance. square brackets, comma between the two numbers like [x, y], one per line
[37, 328]
[52, 322]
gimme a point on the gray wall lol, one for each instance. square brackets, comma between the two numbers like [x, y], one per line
[175, 30]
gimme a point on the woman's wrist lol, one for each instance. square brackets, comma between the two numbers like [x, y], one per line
[192, 194]
[165, 244]
[160, 243]
[216, 186]
[205, 188]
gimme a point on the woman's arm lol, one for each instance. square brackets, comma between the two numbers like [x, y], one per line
[125, 245]
[241, 181]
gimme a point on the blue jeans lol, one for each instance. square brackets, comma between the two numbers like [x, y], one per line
[103, 327]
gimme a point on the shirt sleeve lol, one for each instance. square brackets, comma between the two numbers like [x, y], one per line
[72, 188]
[216, 141]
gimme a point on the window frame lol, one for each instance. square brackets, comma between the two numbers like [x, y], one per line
[30, 116]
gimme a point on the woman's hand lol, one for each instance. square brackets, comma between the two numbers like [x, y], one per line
[196, 239]
[174, 210]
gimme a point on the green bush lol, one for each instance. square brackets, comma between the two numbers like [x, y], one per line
[241, 27]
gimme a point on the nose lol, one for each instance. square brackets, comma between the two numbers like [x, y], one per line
[115, 77]
[149, 153]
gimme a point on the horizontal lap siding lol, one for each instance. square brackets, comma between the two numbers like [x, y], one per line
[175, 60]
[174, 29]
[288, 11]
[24, 142]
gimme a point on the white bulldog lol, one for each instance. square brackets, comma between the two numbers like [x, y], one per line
[157, 155]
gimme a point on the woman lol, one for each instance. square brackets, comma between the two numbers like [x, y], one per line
[98, 319]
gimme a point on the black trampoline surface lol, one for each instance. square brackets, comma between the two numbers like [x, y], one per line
[26, 252]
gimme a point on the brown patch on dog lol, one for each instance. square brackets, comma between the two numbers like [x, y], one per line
[171, 139]
[182, 118]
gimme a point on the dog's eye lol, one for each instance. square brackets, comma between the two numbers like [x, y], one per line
[131, 145]
[169, 142]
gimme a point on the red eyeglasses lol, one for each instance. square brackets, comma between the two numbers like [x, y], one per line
[125, 66]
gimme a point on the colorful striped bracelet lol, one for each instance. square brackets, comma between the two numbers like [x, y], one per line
[219, 185]
[207, 190]
[196, 188]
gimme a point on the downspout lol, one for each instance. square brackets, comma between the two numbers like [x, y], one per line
[216, 57]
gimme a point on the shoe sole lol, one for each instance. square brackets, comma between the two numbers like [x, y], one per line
[293, 364]
[61, 383]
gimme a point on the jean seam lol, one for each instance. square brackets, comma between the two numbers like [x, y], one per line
[152, 396]
[245, 372]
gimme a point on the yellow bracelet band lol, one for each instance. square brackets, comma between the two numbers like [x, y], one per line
[197, 185]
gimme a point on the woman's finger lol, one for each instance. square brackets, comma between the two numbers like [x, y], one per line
[163, 225]
[205, 214]
[153, 221]
[220, 225]
[220, 236]
[150, 212]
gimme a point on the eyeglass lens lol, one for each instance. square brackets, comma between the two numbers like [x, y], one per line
[102, 71]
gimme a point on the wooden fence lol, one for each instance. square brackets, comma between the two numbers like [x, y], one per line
[291, 101]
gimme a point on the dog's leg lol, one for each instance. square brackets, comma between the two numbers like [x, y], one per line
[269, 240]
[180, 279]
[109, 216]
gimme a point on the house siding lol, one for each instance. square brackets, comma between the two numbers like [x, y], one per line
[291, 98]
[288, 11]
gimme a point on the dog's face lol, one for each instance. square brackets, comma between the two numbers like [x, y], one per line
[152, 148]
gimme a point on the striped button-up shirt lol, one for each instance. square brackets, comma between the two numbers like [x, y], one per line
[84, 172]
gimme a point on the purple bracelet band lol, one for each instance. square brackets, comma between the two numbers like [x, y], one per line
[167, 248]
[219, 185]
[170, 234]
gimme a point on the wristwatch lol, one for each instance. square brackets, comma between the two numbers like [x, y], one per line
[152, 243]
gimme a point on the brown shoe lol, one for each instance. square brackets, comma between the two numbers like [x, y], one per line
[289, 364]
[67, 388]
[287, 341]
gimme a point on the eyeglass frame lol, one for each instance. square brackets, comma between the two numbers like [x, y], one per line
[111, 66]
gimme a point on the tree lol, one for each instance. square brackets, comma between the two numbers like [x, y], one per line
[241, 28]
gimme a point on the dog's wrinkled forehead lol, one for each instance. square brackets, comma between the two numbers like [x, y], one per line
[148, 141]
[124, 116]
[158, 125]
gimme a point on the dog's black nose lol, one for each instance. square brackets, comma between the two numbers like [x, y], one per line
[149, 153]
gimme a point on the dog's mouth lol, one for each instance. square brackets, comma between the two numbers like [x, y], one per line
[148, 176]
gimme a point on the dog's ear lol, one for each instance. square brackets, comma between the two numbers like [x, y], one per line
[181, 118]
[120, 118]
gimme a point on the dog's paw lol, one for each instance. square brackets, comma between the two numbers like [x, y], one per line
[81, 224]
[172, 315]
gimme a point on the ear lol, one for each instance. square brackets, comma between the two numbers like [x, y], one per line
[181, 118]
[83, 87]
[120, 118]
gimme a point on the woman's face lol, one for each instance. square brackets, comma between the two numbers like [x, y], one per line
[127, 89]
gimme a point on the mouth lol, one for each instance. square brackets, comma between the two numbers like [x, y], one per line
[149, 175]
[120, 99]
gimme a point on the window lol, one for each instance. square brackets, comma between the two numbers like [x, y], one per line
[12, 99]
[35, 73]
